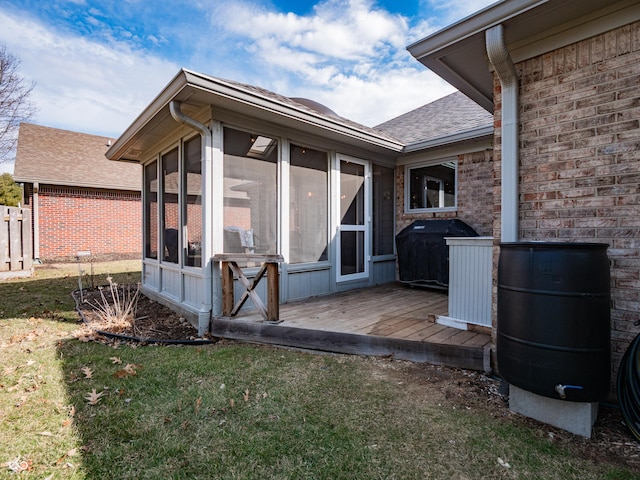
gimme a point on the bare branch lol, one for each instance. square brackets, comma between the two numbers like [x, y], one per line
[15, 105]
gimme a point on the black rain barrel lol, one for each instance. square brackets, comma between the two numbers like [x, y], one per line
[554, 333]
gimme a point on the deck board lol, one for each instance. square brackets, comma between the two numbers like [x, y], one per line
[402, 315]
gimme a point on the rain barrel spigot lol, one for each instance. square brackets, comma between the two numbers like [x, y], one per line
[561, 389]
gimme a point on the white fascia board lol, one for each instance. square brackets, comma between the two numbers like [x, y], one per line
[466, 135]
[248, 97]
[601, 17]
[472, 25]
[233, 92]
[608, 18]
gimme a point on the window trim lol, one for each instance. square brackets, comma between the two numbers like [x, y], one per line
[407, 186]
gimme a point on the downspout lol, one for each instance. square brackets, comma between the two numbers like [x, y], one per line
[211, 303]
[506, 71]
[182, 119]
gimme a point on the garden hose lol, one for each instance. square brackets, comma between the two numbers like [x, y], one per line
[628, 387]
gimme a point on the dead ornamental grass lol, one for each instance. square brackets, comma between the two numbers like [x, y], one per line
[117, 309]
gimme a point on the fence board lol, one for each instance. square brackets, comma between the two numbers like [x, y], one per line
[15, 241]
[27, 244]
[4, 238]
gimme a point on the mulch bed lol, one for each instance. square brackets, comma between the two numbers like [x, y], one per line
[152, 322]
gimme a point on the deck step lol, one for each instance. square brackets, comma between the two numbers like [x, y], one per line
[460, 356]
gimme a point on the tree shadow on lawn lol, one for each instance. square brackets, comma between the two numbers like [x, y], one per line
[48, 297]
[220, 411]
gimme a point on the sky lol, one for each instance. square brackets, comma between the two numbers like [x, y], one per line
[96, 64]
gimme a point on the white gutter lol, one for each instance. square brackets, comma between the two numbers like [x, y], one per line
[505, 69]
[254, 97]
[211, 281]
[478, 22]
[471, 134]
[212, 91]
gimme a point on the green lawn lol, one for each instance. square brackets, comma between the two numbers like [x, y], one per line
[237, 411]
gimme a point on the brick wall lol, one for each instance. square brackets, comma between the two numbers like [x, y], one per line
[104, 222]
[475, 194]
[580, 159]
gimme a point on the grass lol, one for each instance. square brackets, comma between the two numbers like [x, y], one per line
[235, 411]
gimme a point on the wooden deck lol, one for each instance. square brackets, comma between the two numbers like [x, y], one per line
[391, 319]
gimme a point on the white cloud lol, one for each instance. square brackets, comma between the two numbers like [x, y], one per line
[450, 11]
[348, 54]
[337, 29]
[6, 167]
[373, 101]
[345, 54]
[83, 85]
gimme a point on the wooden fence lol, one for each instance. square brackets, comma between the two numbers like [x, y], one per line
[16, 256]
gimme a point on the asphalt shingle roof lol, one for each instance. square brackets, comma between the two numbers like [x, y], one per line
[445, 116]
[61, 157]
[310, 106]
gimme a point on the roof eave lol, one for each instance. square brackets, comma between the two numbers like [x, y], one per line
[222, 90]
[532, 27]
[472, 25]
[473, 134]
[118, 149]
[250, 98]
[469, 31]
[61, 183]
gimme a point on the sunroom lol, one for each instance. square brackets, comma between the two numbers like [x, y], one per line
[233, 169]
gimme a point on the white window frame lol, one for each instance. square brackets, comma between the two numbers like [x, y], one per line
[407, 187]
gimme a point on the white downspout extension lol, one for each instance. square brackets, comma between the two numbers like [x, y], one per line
[505, 69]
[211, 303]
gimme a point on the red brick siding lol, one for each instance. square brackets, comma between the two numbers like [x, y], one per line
[194, 216]
[580, 158]
[171, 215]
[474, 195]
[100, 221]
[236, 216]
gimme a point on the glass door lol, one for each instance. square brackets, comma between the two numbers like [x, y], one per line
[353, 231]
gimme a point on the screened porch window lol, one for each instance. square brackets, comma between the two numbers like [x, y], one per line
[169, 197]
[173, 205]
[192, 205]
[431, 187]
[250, 192]
[151, 210]
[308, 208]
[383, 210]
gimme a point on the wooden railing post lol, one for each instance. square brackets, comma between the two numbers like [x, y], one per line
[230, 267]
